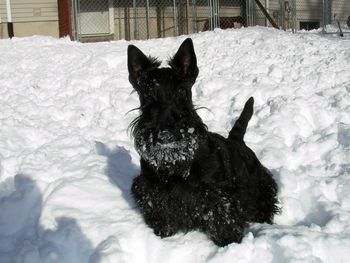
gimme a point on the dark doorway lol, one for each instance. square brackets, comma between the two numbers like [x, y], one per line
[307, 25]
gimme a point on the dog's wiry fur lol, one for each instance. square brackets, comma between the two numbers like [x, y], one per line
[192, 179]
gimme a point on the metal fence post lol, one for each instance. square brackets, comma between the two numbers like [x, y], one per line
[135, 19]
[294, 16]
[194, 16]
[210, 6]
[9, 19]
[77, 20]
[323, 16]
[282, 14]
[0, 28]
[111, 17]
[251, 13]
[327, 11]
[176, 26]
[216, 14]
[147, 18]
[213, 11]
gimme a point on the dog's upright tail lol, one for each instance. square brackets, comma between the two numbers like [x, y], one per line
[240, 127]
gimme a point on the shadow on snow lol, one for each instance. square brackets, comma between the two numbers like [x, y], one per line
[120, 169]
[22, 239]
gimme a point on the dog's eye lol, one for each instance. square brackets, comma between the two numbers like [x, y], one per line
[142, 78]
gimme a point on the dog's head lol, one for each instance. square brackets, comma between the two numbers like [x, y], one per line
[165, 93]
[167, 115]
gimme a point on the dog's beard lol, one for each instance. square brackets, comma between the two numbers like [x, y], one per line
[168, 152]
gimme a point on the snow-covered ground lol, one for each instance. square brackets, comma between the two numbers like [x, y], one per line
[67, 160]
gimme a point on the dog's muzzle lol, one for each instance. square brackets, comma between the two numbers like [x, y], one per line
[169, 153]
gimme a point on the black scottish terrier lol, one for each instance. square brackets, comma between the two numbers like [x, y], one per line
[192, 179]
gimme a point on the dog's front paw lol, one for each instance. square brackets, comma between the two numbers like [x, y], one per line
[223, 231]
[163, 232]
[222, 239]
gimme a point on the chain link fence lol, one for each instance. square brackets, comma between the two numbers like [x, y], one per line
[331, 16]
[144, 19]
[337, 16]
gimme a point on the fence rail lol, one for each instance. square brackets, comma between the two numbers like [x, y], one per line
[143, 19]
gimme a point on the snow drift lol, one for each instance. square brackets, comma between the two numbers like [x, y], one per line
[67, 160]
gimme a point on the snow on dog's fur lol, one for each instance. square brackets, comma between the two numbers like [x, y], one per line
[192, 179]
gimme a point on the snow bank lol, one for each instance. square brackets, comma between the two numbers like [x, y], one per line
[67, 160]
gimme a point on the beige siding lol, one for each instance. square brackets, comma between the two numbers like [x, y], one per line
[30, 10]
[2, 11]
[307, 11]
[311, 10]
[24, 29]
[229, 11]
[341, 10]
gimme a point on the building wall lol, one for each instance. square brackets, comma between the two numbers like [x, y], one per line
[312, 10]
[306, 11]
[341, 10]
[31, 10]
[26, 29]
[2, 33]
[31, 17]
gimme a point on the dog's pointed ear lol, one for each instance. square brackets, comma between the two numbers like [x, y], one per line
[137, 61]
[185, 61]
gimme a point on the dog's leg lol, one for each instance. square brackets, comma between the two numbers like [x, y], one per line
[223, 233]
[153, 207]
[240, 127]
[153, 201]
[267, 205]
[221, 217]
